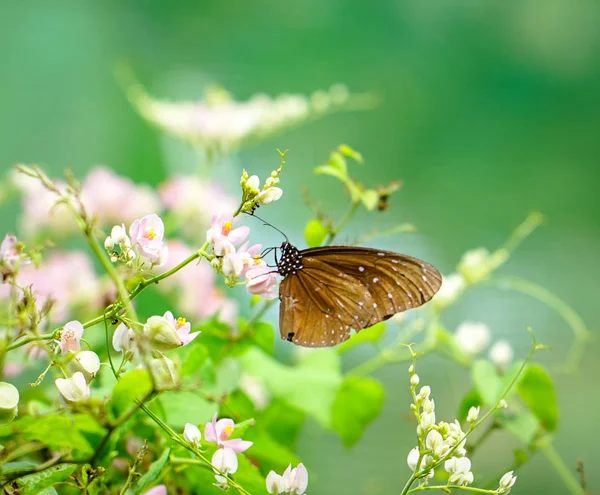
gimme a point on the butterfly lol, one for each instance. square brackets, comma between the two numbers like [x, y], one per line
[328, 291]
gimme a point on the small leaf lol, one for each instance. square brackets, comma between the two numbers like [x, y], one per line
[370, 198]
[33, 484]
[358, 401]
[57, 432]
[368, 335]
[486, 381]
[337, 160]
[332, 171]
[133, 385]
[537, 391]
[352, 153]
[472, 399]
[194, 360]
[315, 233]
[153, 471]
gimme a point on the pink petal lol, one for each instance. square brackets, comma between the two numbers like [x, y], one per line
[237, 445]
[210, 430]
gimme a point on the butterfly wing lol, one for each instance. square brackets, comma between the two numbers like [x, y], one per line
[397, 282]
[320, 305]
[343, 288]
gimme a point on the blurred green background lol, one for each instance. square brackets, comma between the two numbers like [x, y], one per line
[489, 110]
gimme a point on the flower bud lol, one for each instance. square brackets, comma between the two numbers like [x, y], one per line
[506, 482]
[164, 373]
[160, 334]
[414, 380]
[501, 353]
[87, 362]
[411, 369]
[428, 406]
[9, 400]
[118, 234]
[425, 392]
[427, 420]
[473, 414]
[253, 184]
[413, 458]
[435, 442]
[109, 244]
[192, 434]
[502, 404]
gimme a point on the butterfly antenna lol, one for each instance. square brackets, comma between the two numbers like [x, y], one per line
[270, 225]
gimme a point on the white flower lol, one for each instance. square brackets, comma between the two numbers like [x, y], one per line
[471, 337]
[428, 406]
[473, 414]
[501, 353]
[425, 392]
[192, 434]
[435, 443]
[73, 389]
[225, 460]
[269, 195]
[460, 470]
[253, 184]
[293, 481]
[502, 404]
[413, 458]
[124, 339]
[427, 420]
[506, 482]
[414, 380]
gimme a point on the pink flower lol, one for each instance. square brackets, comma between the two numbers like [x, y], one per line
[224, 237]
[10, 255]
[182, 327]
[115, 199]
[249, 256]
[70, 337]
[261, 281]
[157, 490]
[147, 234]
[220, 431]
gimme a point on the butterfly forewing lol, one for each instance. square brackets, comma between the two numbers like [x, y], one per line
[328, 291]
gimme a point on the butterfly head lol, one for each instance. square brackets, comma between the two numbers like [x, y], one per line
[290, 261]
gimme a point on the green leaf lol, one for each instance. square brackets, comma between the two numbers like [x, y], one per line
[194, 360]
[32, 484]
[486, 381]
[350, 152]
[132, 385]
[153, 471]
[332, 171]
[523, 425]
[472, 399]
[282, 421]
[263, 335]
[57, 432]
[310, 386]
[315, 233]
[180, 407]
[368, 335]
[370, 198]
[537, 391]
[357, 403]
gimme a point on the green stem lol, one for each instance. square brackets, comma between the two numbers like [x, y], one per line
[27, 340]
[562, 469]
[446, 488]
[331, 236]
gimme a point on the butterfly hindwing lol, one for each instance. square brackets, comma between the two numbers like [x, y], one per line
[320, 306]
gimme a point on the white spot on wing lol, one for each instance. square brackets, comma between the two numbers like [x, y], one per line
[375, 280]
[361, 268]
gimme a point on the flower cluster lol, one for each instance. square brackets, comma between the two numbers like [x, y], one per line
[253, 196]
[245, 261]
[83, 365]
[224, 460]
[145, 240]
[443, 443]
[11, 256]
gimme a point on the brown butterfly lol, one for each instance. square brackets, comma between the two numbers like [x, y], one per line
[328, 291]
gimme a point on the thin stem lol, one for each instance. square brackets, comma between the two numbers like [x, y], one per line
[27, 340]
[446, 488]
[561, 468]
[331, 236]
